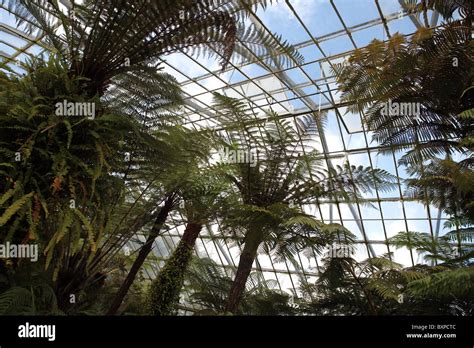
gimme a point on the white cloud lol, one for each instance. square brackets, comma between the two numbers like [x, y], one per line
[306, 9]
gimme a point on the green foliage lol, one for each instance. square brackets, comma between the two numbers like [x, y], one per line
[381, 287]
[67, 189]
[451, 249]
[446, 8]
[101, 37]
[63, 179]
[450, 284]
[447, 185]
[430, 69]
[14, 207]
[26, 291]
[83, 187]
[16, 301]
[286, 173]
[166, 287]
[209, 285]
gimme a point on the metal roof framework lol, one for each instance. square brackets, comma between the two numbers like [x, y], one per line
[313, 92]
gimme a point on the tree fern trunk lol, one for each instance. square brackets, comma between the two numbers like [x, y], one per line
[142, 255]
[165, 289]
[247, 258]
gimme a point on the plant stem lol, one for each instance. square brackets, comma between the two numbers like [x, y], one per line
[247, 258]
[142, 255]
[165, 289]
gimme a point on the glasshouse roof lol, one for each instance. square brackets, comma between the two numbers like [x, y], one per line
[325, 33]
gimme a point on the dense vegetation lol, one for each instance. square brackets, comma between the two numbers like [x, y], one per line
[84, 188]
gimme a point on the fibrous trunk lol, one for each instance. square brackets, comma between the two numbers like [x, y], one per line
[165, 289]
[248, 256]
[142, 255]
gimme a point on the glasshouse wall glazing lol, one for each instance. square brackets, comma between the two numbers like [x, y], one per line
[216, 157]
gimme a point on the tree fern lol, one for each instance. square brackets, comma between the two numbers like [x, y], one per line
[16, 301]
[285, 174]
[104, 39]
[417, 70]
[450, 284]
[14, 207]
